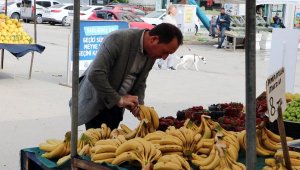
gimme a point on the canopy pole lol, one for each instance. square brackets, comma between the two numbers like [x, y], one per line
[2, 50]
[250, 50]
[75, 80]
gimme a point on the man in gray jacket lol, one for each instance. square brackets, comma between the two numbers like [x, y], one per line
[116, 79]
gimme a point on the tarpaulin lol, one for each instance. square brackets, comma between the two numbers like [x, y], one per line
[19, 50]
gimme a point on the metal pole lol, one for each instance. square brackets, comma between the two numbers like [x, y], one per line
[250, 50]
[2, 50]
[75, 79]
[35, 38]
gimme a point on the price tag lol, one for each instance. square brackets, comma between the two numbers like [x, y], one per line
[276, 94]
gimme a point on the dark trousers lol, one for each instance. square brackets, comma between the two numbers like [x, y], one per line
[111, 117]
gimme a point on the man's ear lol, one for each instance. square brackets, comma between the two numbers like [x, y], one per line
[154, 39]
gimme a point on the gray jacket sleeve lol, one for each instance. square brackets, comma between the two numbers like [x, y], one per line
[101, 67]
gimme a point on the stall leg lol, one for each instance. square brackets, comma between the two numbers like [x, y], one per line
[2, 58]
[31, 63]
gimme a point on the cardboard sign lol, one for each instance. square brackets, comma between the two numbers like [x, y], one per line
[275, 88]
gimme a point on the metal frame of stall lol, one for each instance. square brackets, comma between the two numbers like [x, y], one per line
[250, 70]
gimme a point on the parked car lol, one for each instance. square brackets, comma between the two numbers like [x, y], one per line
[57, 14]
[125, 7]
[155, 17]
[13, 9]
[134, 20]
[27, 8]
[85, 12]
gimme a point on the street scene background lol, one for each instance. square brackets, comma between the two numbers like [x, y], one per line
[37, 109]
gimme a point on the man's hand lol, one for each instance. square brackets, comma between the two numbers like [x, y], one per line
[136, 112]
[128, 101]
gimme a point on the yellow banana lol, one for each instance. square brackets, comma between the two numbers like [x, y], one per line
[170, 148]
[105, 148]
[166, 166]
[145, 111]
[108, 160]
[204, 151]
[157, 135]
[270, 162]
[154, 118]
[232, 152]
[274, 136]
[126, 156]
[200, 161]
[293, 154]
[63, 159]
[295, 162]
[207, 131]
[56, 153]
[184, 164]
[241, 135]
[102, 156]
[267, 168]
[170, 158]
[131, 134]
[103, 131]
[47, 147]
[213, 164]
[130, 145]
[54, 141]
[125, 128]
[262, 151]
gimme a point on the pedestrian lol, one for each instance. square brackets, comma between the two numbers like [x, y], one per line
[116, 79]
[223, 23]
[212, 26]
[277, 21]
[169, 18]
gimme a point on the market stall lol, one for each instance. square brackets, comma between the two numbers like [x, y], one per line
[197, 138]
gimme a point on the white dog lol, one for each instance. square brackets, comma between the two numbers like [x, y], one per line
[194, 59]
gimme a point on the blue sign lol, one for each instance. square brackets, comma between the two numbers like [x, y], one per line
[92, 34]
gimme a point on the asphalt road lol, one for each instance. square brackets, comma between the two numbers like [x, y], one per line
[37, 109]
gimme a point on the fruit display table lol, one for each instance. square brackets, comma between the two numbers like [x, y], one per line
[19, 50]
[31, 160]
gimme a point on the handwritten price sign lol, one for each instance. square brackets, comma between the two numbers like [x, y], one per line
[276, 93]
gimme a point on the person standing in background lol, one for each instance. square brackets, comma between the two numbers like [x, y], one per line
[169, 18]
[223, 23]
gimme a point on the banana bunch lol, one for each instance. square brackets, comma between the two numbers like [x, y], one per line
[267, 142]
[229, 137]
[82, 152]
[151, 115]
[207, 162]
[91, 136]
[155, 137]
[171, 162]
[182, 141]
[105, 150]
[137, 150]
[58, 149]
[141, 131]
[277, 163]
[204, 146]
[204, 128]
[50, 144]
[226, 160]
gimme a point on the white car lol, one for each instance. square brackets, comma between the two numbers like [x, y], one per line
[57, 14]
[13, 9]
[85, 12]
[155, 17]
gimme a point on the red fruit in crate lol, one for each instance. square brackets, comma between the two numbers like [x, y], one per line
[227, 120]
[258, 120]
[170, 117]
